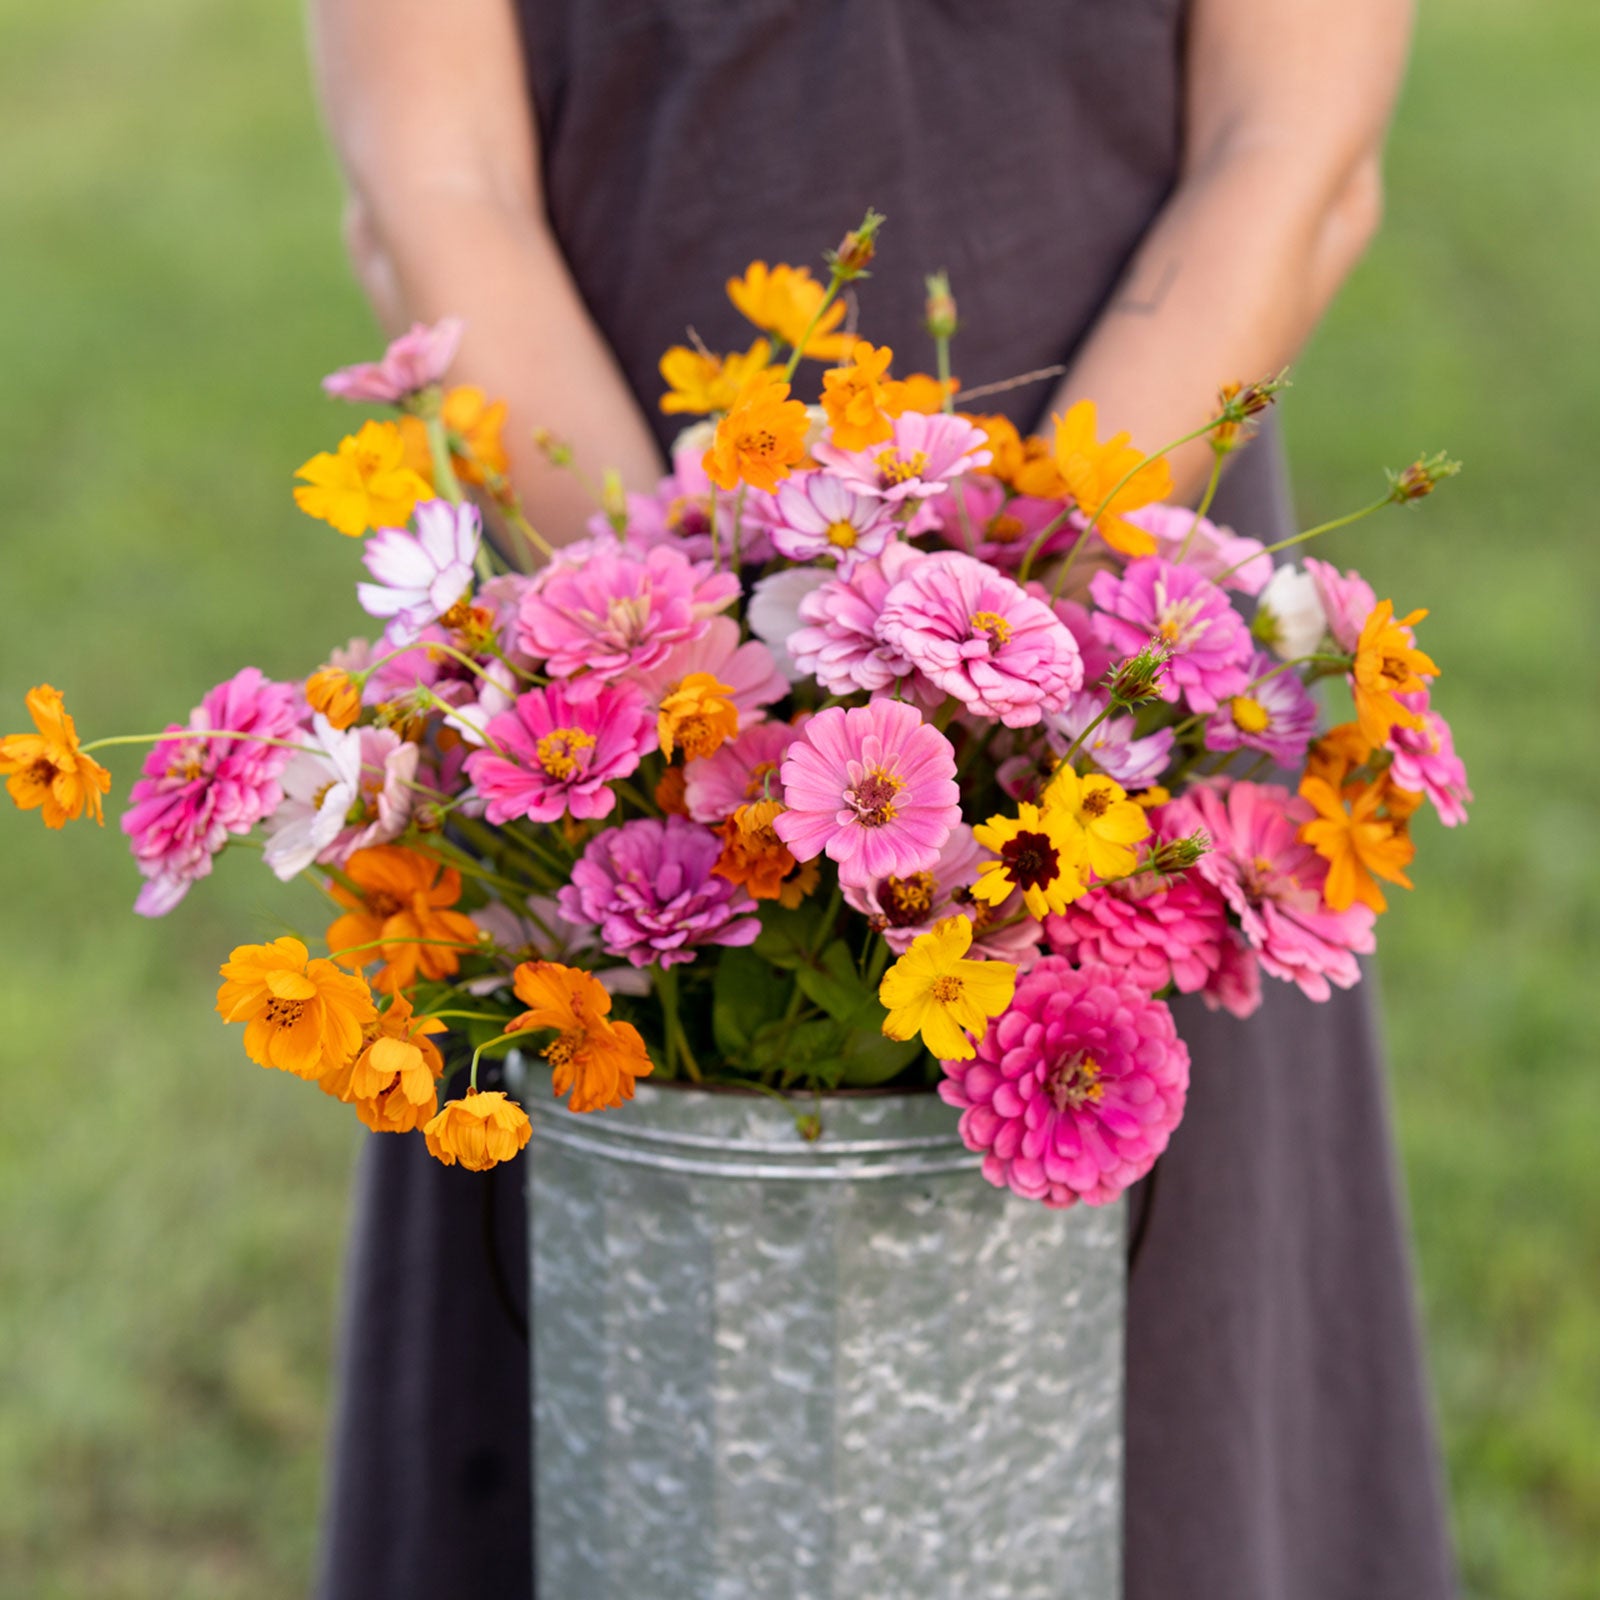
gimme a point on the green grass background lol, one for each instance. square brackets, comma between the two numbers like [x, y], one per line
[171, 286]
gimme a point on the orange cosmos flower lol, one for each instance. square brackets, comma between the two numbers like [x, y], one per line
[474, 424]
[333, 692]
[1388, 663]
[401, 898]
[761, 440]
[853, 397]
[301, 1016]
[783, 301]
[480, 1131]
[391, 1082]
[753, 855]
[366, 485]
[1026, 465]
[1337, 754]
[917, 391]
[699, 383]
[1359, 845]
[48, 770]
[1091, 471]
[597, 1059]
[698, 716]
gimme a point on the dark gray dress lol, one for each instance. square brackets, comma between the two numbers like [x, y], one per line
[1279, 1440]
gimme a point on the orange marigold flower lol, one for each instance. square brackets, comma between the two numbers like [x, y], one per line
[480, 1130]
[48, 769]
[853, 397]
[783, 300]
[333, 692]
[699, 382]
[753, 855]
[301, 1015]
[761, 440]
[392, 1080]
[1091, 471]
[1359, 845]
[365, 485]
[400, 898]
[597, 1059]
[697, 717]
[918, 391]
[1388, 663]
[1337, 754]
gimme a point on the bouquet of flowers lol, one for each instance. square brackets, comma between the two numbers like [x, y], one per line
[879, 745]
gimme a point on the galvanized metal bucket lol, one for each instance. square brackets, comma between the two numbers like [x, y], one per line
[849, 1369]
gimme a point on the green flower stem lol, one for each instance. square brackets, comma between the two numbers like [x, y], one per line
[1077, 744]
[444, 473]
[380, 944]
[636, 797]
[666, 986]
[835, 283]
[425, 644]
[466, 1016]
[1205, 504]
[179, 735]
[941, 348]
[1310, 533]
[503, 494]
[499, 1038]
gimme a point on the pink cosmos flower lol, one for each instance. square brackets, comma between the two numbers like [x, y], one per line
[415, 360]
[197, 792]
[649, 888]
[748, 670]
[421, 575]
[1275, 715]
[1212, 549]
[1347, 600]
[840, 645]
[925, 454]
[1076, 1089]
[973, 633]
[774, 612]
[815, 515]
[617, 611]
[1211, 646]
[1114, 745]
[1273, 883]
[873, 787]
[1425, 761]
[561, 752]
[976, 517]
[742, 770]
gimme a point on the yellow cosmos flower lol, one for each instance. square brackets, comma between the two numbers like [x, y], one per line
[700, 383]
[366, 485]
[1091, 471]
[333, 692]
[594, 1057]
[1112, 824]
[853, 396]
[480, 1131]
[761, 440]
[917, 391]
[1388, 663]
[933, 990]
[1040, 852]
[392, 1082]
[783, 300]
[301, 1016]
[697, 717]
[1359, 845]
[47, 770]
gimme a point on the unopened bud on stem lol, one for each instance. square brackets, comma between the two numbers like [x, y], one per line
[940, 307]
[1421, 478]
[1132, 682]
[856, 249]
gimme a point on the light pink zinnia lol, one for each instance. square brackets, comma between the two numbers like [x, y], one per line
[840, 645]
[816, 514]
[973, 633]
[1211, 646]
[1275, 715]
[1075, 1090]
[618, 611]
[924, 456]
[747, 669]
[416, 360]
[1213, 549]
[976, 517]
[562, 751]
[1273, 882]
[1347, 600]
[873, 787]
[1425, 761]
[197, 792]
[742, 770]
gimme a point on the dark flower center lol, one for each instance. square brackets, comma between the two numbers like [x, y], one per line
[1031, 860]
[285, 1013]
[906, 901]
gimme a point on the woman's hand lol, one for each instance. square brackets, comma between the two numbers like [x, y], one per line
[430, 118]
[1287, 104]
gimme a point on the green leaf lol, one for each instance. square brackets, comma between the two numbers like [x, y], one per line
[786, 936]
[746, 993]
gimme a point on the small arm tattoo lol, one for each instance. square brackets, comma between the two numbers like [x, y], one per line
[1132, 303]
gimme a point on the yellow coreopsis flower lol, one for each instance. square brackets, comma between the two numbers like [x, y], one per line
[365, 485]
[783, 300]
[697, 717]
[699, 382]
[1112, 824]
[935, 991]
[854, 398]
[761, 440]
[1039, 852]
[1092, 470]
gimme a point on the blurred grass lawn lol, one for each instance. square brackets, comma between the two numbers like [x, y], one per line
[171, 286]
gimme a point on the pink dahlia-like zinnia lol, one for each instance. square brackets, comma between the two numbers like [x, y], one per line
[1075, 1090]
[816, 514]
[840, 645]
[873, 787]
[1347, 600]
[747, 669]
[1425, 761]
[416, 360]
[1273, 882]
[617, 610]
[976, 517]
[197, 792]
[973, 633]
[1210, 644]
[1275, 715]
[421, 575]
[562, 751]
[743, 770]
[1212, 550]
[649, 889]
[924, 456]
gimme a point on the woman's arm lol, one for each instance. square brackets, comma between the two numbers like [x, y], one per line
[429, 115]
[1287, 105]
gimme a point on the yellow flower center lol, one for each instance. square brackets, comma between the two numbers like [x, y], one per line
[560, 749]
[759, 442]
[1096, 802]
[1074, 1081]
[992, 624]
[872, 798]
[842, 535]
[946, 990]
[1003, 528]
[560, 1052]
[1249, 715]
[285, 1013]
[906, 901]
[895, 468]
[697, 735]
[1177, 627]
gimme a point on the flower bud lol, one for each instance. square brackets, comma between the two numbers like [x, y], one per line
[556, 451]
[333, 692]
[1177, 855]
[940, 307]
[1132, 682]
[1236, 404]
[856, 249]
[1421, 477]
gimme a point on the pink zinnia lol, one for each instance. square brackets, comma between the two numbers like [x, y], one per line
[1213, 550]
[816, 514]
[197, 792]
[617, 611]
[562, 751]
[649, 888]
[747, 669]
[1275, 715]
[421, 575]
[416, 360]
[1273, 882]
[743, 770]
[1211, 646]
[925, 455]
[973, 633]
[1076, 1089]
[873, 787]
[1425, 761]
[840, 645]
[1347, 600]
[976, 517]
